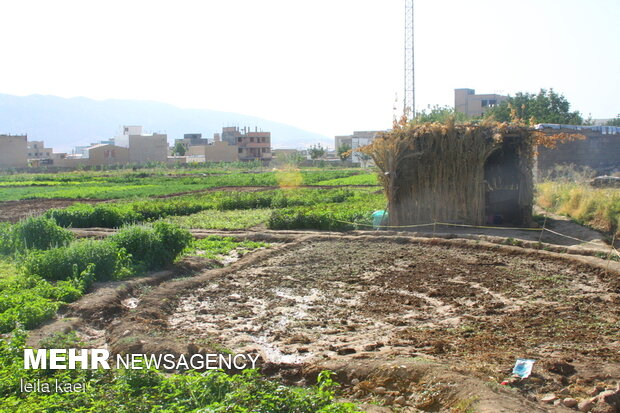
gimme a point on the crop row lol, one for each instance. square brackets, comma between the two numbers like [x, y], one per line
[332, 217]
[119, 214]
[131, 185]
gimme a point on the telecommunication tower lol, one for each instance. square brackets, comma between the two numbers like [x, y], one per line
[409, 98]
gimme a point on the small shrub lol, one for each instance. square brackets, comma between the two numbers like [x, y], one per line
[85, 216]
[110, 262]
[39, 233]
[153, 247]
[174, 239]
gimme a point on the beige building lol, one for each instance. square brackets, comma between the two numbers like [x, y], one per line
[13, 150]
[106, 154]
[251, 146]
[143, 148]
[218, 151]
[466, 101]
[37, 150]
[191, 139]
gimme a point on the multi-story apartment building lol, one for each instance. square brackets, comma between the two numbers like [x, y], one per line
[466, 101]
[250, 145]
[13, 151]
[37, 150]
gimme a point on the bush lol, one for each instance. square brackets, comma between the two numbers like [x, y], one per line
[153, 247]
[85, 216]
[63, 263]
[174, 239]
[334, 217]
[39, 233]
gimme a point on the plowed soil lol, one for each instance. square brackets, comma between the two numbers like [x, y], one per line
[346, 298]
[438, 322]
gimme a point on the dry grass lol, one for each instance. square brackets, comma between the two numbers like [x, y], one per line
[435, 172]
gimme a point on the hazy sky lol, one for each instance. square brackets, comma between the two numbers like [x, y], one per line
[326, 66]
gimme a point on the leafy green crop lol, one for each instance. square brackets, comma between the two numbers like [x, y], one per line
[215, 246]
[355, 214]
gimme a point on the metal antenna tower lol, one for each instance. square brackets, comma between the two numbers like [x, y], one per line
[409, 98]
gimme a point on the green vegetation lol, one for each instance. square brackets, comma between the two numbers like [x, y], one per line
[215, 247]
[43, 267]
[213, 219]
[354, 214]
[597, 208]
[113, 215]
[123, 184]
[365, 179]
[440, 114]
[545, 107]
[109, 261]
[33, 233]
[152, 247]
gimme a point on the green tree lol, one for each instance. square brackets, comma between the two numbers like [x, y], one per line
[179, 149]
[614, 122]
[440, 114]
[316, 151]
[545, 107]
[343, 152]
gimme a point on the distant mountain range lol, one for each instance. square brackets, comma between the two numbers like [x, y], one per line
[65, 123]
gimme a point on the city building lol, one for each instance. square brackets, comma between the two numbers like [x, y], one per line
[106, 154]
[354, 142]
[143, 148]
[217, 151]
[13, 151]
[251, 146]
[192, 139]
[468, 102]
[37, 150]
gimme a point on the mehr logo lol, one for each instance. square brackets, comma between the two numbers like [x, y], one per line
[68, 359]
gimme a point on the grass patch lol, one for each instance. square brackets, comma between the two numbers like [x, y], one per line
[215, 247]
[597, 208]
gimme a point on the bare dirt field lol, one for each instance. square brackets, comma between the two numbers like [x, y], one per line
[13, 211]
[453, 315]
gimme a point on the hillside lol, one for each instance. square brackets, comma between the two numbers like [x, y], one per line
[64, 123]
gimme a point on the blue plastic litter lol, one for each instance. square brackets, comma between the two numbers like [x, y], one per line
[379, 218]
[523, 368]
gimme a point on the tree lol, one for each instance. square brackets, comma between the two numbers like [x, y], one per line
[545, 107]
[344, 152]
[179, 149]
[614, 122]
[316, 151]
[440, 114]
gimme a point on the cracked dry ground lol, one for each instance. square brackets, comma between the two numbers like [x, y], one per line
[476, 308]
